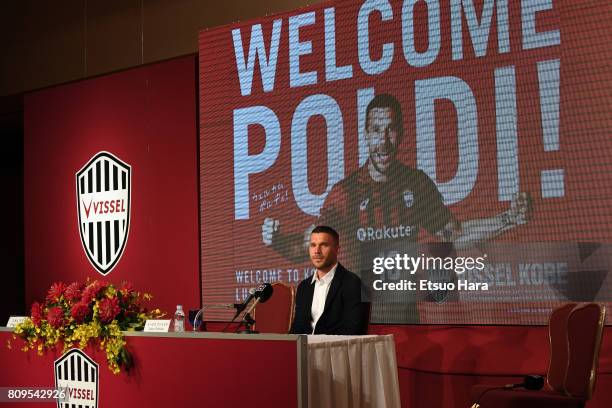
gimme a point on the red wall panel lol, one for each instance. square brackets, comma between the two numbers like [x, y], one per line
[147, 118]
[438, 364]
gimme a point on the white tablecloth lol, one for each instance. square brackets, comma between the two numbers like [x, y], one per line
[352, 372]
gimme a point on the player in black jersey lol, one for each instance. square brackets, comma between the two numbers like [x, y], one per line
[381, 207]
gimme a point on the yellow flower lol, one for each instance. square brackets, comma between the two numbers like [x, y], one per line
[109, 337]
[111, 292]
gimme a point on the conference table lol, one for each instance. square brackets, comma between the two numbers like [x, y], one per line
[223, 370]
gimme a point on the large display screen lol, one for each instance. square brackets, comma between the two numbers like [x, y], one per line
[461, 149]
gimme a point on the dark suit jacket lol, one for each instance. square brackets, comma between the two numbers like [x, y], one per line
[344, 313]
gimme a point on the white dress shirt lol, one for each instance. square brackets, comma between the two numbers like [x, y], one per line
[320, 294]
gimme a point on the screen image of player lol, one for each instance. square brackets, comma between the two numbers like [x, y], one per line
[462, 146]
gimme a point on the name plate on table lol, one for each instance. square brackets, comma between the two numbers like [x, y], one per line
[13, 321]
[157, 326]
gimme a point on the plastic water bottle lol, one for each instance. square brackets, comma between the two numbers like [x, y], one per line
[179, 319]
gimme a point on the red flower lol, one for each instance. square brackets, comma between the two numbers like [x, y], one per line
[36, 313]
[79, 312]
[56, 291]
[109, 309]
[92, 291]
[55, 317]
[73, 291]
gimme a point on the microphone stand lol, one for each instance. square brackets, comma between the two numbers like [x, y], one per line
[248, 321]
[195, 319]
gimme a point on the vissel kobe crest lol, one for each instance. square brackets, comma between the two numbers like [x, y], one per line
[77, 374]
[103, 204]
[408, 198]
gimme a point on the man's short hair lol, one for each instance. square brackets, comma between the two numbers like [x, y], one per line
[387, 101]
[327, 230]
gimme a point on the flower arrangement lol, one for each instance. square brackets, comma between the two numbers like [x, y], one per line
[80, 313]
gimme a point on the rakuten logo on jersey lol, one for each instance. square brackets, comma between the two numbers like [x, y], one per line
[384, 232]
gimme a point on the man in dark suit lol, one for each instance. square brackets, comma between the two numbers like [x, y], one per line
[329, 302]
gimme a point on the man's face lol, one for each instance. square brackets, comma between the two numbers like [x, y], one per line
[382, 135]
[323, 251]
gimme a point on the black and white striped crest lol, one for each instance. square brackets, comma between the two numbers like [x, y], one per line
[77, 374]
[103, 205]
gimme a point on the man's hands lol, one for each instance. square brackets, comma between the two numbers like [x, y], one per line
[269, 230]
[520, 210]
[470, 233]
[290, 245]
[270, 233]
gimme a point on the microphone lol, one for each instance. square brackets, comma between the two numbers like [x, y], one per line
[262, 294]
[530, 382]
[241, 306]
